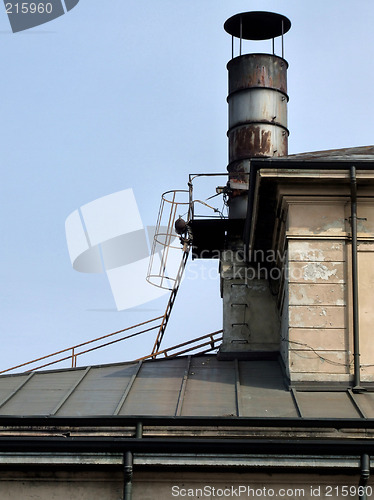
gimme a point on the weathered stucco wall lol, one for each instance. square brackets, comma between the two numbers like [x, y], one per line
[366, 305]
[318, 339]
[317, 326]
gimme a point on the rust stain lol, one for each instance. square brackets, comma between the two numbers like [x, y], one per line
[265, 141]
[254, 70]
[254, 141]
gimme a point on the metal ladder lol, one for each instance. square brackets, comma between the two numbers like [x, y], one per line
[170, 304]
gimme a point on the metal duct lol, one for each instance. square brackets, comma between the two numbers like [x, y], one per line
[257, 101]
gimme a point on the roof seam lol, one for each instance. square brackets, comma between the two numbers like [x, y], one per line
[237, 389]
[7, 398]
[70, 392]
[178, 410]
[356, 403]
[128, 389]
[296, 402]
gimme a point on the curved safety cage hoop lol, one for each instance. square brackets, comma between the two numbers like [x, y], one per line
[166, 260]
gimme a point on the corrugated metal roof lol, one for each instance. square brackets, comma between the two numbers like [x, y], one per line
[182, 386]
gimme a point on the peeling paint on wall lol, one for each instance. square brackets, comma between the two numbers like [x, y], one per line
[316, 270]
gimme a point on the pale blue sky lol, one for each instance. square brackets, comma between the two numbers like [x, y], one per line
[132, 94]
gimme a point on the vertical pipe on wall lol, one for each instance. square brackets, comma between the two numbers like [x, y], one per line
[356, 332]
[364, 477]
[139, 430]
[128, 472]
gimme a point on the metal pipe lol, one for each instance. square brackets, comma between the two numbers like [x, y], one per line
[364, 477]
[128, 473]
[139, 430]
[250, 206]
[356, 327]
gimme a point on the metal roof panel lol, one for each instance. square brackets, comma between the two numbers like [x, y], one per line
[194, 386]
[263, 393]
[40, 394]
[326, 405]
[210, 388]
[156, 388]
[99, 392]
[366, 403]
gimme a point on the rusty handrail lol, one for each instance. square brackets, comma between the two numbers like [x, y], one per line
[73, 356]
[189, 342]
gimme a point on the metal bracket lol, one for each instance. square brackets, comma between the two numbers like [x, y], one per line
[357, 218]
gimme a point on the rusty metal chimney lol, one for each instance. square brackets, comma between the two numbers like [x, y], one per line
[257, 128]
[257, 100]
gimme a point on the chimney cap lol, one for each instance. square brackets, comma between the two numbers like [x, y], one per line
[257, 25]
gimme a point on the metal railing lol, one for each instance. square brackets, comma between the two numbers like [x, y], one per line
[192, 201]
[214, 338]
[74, 351]
[208, 343]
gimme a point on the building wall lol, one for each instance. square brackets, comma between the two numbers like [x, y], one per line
[366, 300]
[317, 327]
[59, 485]
[165, 485]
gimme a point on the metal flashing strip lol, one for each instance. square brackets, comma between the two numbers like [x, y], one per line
[178, 410]
[237, 389]
[310, 164]
[24, 382]
[201, 446]
[128, 388]
[81, 422]
[70, 392]
[356, 403]
[187, 460]
[55, 459]
[253, 461]
[297, 406]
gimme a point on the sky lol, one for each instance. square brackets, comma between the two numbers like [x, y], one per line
[132, 94]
